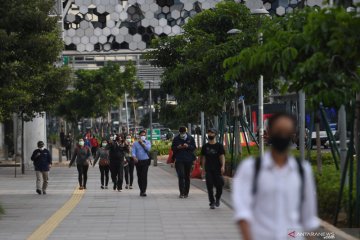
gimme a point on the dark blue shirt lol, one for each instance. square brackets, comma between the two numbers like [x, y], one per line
[42, 159]
[184, 154]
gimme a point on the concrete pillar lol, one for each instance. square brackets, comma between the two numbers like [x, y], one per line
[34, 131]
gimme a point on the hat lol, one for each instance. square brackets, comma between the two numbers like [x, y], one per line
[142, 131]
[40, 144]
[212, 130]
[182, 129]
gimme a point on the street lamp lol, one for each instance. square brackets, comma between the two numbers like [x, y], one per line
[237, 148]
[150, 113]
[261, 11]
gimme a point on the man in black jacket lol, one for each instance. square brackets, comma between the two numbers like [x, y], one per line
[183, 147]
[117, 150]
[42, 163]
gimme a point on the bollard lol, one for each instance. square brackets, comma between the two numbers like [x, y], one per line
[154, 157]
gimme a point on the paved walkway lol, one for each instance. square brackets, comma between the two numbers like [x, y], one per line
[105, 214]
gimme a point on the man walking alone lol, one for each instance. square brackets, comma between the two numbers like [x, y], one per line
[213, 159]
[42, 163]
[183, 147]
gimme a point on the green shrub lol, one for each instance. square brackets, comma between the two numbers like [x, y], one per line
[162, 147]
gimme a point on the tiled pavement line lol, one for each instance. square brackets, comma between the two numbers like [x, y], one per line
[106, 214]
[26, 210]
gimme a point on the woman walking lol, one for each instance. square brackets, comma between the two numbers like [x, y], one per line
[82, 156]
[104, 164]
[129, 164]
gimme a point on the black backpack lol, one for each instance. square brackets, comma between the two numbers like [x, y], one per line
[301, 173]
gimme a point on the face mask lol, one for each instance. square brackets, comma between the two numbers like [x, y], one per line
[279, 143]
[42, 148]
[81, 144]
[104, 144]
[143, 138]
[128, 140]
[211, 137]
[182, 135]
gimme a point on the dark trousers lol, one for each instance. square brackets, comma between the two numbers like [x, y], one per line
[104, 175]
[183, 171]
[117, 175]
[82, 171]
[129, 172]
[142, 168]
[68, 153]
[93, 151]
[214, 179]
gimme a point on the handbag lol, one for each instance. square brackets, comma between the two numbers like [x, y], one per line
[104, 162]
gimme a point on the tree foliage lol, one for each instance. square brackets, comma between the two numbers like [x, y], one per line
[30, 44]
[315, 50]
[193, 61]
[96, 91]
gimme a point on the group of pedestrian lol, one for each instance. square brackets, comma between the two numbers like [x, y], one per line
[272, 193]
[117, 156]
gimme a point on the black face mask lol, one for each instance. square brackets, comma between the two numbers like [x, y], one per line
[211, 137]
[279, 143]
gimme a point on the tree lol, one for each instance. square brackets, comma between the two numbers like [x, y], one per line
[96, 91]
[193, 61]
[30, 46]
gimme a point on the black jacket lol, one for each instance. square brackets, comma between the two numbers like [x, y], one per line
[184, 154]
[117, 153]
[42, 159]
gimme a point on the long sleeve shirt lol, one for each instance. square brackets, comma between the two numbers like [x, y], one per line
[101, 153]
[184, 154]
[81, 154]
[139, 152]
[274, 209]
[42, 159]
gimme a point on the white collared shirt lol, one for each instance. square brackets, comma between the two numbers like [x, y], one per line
[274, 210]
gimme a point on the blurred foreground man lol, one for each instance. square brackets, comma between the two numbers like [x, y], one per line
[274, 196]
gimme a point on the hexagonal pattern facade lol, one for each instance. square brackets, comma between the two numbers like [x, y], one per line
[104, 25]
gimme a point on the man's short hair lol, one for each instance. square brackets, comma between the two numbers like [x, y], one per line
[142, 131]
[182, 129]
[279, 115]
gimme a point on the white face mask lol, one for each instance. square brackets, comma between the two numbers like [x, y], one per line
[81, 144]
[42, 148]
[128, 140]
[104, 144]
[183, 135]
[143, 138]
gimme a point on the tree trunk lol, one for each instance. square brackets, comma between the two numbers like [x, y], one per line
[134, 109]
[318, 148]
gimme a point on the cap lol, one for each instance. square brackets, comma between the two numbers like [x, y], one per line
[182, 129]
[212, 130]
[40, 144]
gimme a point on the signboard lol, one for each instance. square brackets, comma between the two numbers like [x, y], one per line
[156, 134]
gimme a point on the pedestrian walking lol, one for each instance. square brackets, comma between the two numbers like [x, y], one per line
[129, 165]
[141, 155]
[117, 150]
[183, 147]
[82, 156]
[68, 145]
[42, 160]
[275, 195]
[213, 159]
[104, 164]
[94, 145]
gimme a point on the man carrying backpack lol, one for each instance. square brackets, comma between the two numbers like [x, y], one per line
[42, 163]
[274, 195]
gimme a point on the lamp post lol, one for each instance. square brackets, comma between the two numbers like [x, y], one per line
[237, 148]
[150, 108]
[261, 11]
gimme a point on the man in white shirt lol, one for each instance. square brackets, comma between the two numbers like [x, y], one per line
[275, 195]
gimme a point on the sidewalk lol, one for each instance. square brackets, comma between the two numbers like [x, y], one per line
[105, 214]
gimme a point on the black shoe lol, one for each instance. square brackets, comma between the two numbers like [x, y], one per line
[131, 187]
[114, 187]
[126, 186]
[119, 190]
[84, 187]
[217, 203]
[102, 187]
[186, 195]
[143, 195]
[38, 191]
[181, 196]
[44, 192]
[212, 206]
